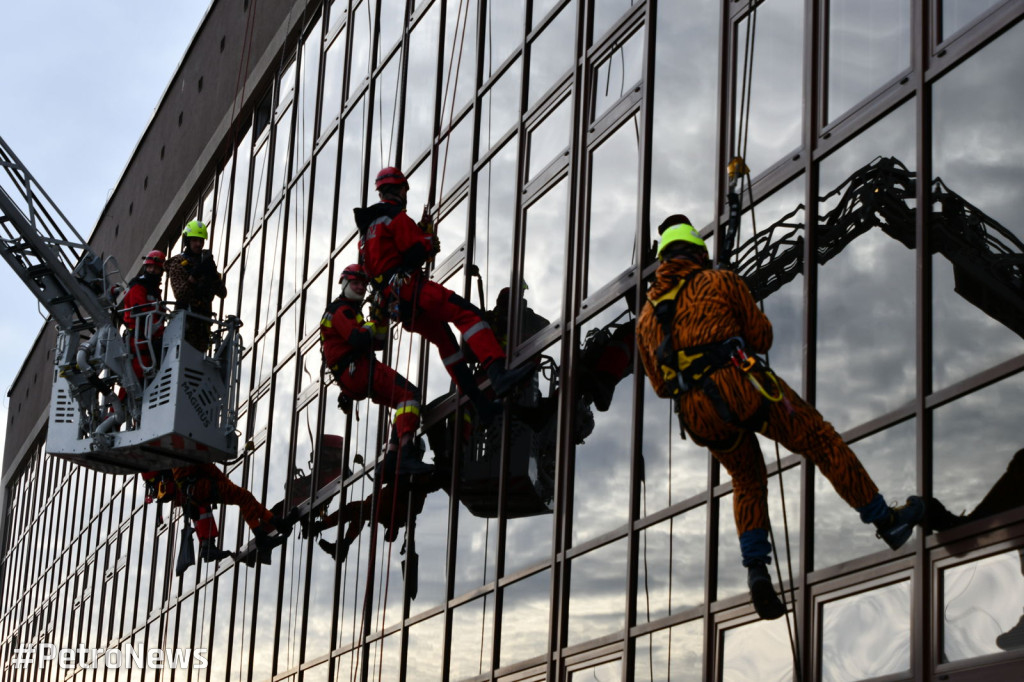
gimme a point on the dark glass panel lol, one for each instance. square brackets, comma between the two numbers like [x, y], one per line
[552, 51]
[526, 608]
[685, 102]
[978, 309]
[839, 534]
[597, 595]
[671, 566]
[614, 205]
[868, 45]
[866, 635]
[866, 288]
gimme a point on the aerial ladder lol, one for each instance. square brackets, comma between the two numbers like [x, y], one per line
[182, 411]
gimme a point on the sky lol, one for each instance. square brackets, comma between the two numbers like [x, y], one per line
[79, 85]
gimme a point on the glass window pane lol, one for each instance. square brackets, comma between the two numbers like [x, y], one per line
[427, 538]
[550, 138]
[866, 287]
[958, 13]
[499, 40]
[618, 73]
[977, 321]
[455, 154]
[604, 672]
[295, 247]
[495, 227]
[981, 606]
[306, 120]
[672, 654]
[282, 143]
[526, 609]
[671, 567]
[597, 596]
[866, 635]
[614, 205]
[606, 13]
[322, 214]
[334, 72]
[685, 102]
[421, 85]
[385, 118]
[472, 638]
[839, 534]
[459, 50]
[979, 483]
[551, 53]
[757, 651]
[603, 450]
[869, 44]
[361, 26]
[392, 21]
[425, 659]
[544, 253]
[776, 97]
[674, 468]
[499, 106]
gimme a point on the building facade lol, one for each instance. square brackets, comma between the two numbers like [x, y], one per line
[582, 538]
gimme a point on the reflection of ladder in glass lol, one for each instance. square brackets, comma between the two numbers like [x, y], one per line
[90, 423]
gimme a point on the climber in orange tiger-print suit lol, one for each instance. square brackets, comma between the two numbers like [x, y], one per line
[715, 322]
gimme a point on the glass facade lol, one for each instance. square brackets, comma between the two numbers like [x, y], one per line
[583, 538]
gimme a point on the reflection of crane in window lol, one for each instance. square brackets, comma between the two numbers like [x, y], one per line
[987, 258]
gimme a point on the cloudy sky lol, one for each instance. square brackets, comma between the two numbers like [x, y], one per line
[79, 85]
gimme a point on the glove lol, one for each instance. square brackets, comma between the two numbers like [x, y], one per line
[435, 245]
[344, 403]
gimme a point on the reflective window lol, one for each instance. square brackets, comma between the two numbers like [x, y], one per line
[525, 613]
[384, 125]
[603, 438]
[350, 183]
[305, 122]
[618, 73]
[757, 651]
[426, 649]
[295, 242]
[776, 97]
[603, 672]
[455, 154]
[361, 30]
[495, 230]
[322, 214]
[334, 72]
[979, 484]
[866, 635]
[544, 253]
[868, 44]
[392, 21]
[956, 14]
[426, 545]
[890, 461]
[551, 52]
[685, 102]
[597, 595]
[239, 194]
[674, 468]
[459, 58]
[420, 92]
[499, 106]
[551, 137]
[499, 39]
[981, 606]
[866, 282]
[614, 205]
[473, 631]
[977, 320]
[282, 143]
[671, 567]
[607, 12]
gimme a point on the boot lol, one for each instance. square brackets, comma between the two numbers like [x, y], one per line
[504, 380]
[208, 551]
[937, 518]
[338, 550]
[762, 594]
[896, 528]
[487, 411]
[1012, 638]
[409, 462]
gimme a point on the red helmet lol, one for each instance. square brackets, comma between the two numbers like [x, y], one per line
[154, 258]
[390, 176]
[353, 273]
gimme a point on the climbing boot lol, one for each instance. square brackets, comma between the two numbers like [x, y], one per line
[409, 461]
[327, 546]
[937, 518]
[338, 550]
[504, 380]
[896, 528]
[1012, 638]
[762, 594]
[208, 551]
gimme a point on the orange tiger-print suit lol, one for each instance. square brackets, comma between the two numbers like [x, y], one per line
[714, 306]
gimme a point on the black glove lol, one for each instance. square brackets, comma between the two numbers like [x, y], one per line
[344, 403]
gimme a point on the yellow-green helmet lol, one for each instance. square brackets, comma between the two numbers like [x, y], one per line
[195, 229]
[678, 229]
